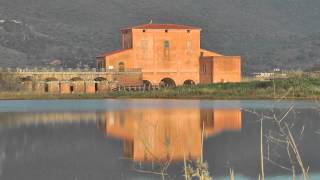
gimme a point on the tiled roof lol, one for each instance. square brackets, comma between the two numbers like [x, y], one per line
[112, 52]
[162, 26]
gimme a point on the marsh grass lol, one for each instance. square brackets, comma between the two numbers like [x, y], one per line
[292, 88]
[20, 95]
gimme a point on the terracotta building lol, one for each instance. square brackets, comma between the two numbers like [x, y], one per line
[170, 54]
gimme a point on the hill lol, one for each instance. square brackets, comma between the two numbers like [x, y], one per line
[266, 33]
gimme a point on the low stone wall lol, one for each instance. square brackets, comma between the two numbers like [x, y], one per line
[65, 87]
[73, 82]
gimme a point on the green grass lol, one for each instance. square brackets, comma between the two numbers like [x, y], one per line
[293, 88]
[298, 88]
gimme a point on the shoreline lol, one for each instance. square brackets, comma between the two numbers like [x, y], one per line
[14, 96]
[299, 88]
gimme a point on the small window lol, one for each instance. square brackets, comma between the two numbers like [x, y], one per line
[204, 68]
[166, 30]
[188, 31]
[144, 30]
[46, 87]
[121, 67]
[189, 45]
[72, 89]
[166, 44]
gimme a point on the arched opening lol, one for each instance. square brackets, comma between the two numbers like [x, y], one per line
[167, 82]
[188, 82]
[121, 66]
[25, 79]
[76, 79]
[74, 84]
[97, 83]
[27, 83]
[147, 83]
[47, 83]
[51, 79]
[100, 79]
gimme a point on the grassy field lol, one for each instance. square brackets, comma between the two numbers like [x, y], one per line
[293, 88]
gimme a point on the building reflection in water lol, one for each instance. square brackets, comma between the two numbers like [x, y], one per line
[155, 135]
[148, 135]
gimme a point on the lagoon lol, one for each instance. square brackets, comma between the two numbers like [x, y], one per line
[139, 138]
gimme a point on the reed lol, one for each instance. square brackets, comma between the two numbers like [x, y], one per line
[293, 88]
[261, 149]
[232, 177]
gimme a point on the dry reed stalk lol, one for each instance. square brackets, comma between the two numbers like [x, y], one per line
[293, 173]
[202, 136]
[186, 176]
[296, 152]
[261, 150]
[232, 174]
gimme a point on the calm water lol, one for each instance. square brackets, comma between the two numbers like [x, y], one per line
[136, 139]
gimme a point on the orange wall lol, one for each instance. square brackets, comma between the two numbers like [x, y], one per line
[178, 62]
[90, 87]
[78, 86]
[145, 49]
[226, 69]
[64, 87]
[53, 87]
[123, 56]
[128, 79]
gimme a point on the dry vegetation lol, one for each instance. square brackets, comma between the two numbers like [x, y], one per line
[292, 88]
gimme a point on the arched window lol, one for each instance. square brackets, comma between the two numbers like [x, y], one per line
[121, 66]
[166, 44]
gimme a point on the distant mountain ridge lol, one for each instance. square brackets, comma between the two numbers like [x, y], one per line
[266, 33]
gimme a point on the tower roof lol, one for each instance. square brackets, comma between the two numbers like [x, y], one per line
[162, 26]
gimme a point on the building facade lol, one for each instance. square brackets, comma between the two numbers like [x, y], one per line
[170, 54]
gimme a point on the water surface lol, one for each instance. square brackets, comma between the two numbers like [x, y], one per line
[138, 139]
